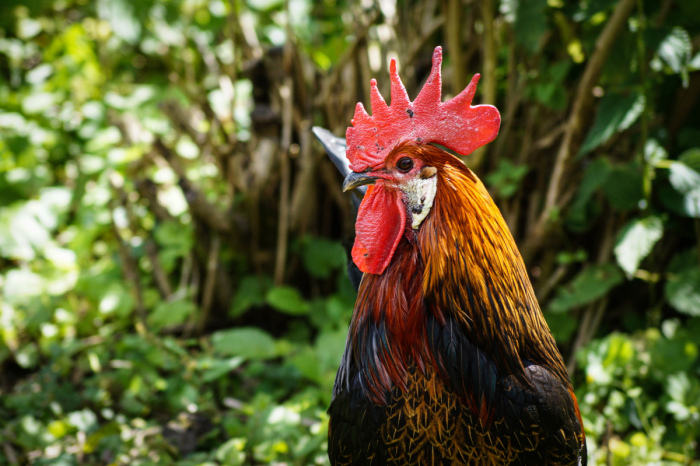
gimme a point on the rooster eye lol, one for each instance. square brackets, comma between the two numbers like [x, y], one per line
[404, 164]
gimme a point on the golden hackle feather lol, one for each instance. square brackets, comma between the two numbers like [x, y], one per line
[462, 261]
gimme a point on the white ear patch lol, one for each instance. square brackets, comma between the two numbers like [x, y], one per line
[419, 194]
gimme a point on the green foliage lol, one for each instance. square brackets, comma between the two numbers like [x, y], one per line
[683, 286]
[591, 284]
[642, 385]
[636, 241]
[287, 299]
[322, 256]
[616, 112]
[675, 51]
[149, 313]
[506, 178]
[245, 342]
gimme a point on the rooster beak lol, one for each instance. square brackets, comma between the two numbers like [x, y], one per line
[355, 180]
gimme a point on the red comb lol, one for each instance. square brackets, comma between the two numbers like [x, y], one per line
[454, 124]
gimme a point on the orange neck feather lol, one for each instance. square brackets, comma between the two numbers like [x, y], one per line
[474, 270]
[462, 263]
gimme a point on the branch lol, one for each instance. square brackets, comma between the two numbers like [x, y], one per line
[200, 208]
[209, 282]
[577, 117]
[129, 266]
[349, 53]
[159, 275]
[286, 140]
[594, 312]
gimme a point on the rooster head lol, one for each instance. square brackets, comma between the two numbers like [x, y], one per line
[404, 183]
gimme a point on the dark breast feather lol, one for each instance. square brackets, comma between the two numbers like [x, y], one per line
[463, 412]
[449, 360]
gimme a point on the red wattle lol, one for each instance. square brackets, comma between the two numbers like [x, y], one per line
[380, 223]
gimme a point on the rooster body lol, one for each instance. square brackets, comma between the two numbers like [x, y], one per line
[448, 358]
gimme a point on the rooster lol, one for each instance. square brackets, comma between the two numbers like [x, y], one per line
[448, 358]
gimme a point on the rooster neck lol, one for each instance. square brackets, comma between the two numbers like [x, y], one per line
[387, 332]
[460, 278]
[474, 273]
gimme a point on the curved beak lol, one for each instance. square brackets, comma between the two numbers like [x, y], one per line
[355, 180]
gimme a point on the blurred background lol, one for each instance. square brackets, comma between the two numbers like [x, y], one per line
[173, 239]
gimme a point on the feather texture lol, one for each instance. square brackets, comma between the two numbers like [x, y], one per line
[449, 359]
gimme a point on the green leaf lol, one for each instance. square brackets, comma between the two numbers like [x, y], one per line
[591, 284]
[167, 314]
[675, 51]
[507, 177]
[307, 362]
[232, 452]
[616, 112]
[636, 241]
[691, 158]
[287, 299]
[686, 182]
[247, 342]
[562, 325]
[529, 18]
[322, 256]
[84, 420]
[683, 178]
[584, 207]
[120, 14]
[654, 152]
[683, 290]
[214, 368]
[330, 347]
[251, 293]
[623, 187]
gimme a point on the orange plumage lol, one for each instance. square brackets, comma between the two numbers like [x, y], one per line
[448, 358]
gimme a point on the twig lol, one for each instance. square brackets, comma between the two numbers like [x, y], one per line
[281, 253]
[209, 282]
[594, 312]
[159, 275]
[9, 453]
[554, 279]
[187, 267]
[582, 99]
[304, 189]
[200, 208]
[453, 30]
[419, 43]
[579, 111]
[180, 121]
[332, 79]
[129, 267]
[589, 325]
[147, 189]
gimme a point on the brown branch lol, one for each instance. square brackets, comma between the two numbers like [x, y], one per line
[200, 207]
[476, 158]
[129, 266]
[304, 193]
[578, 115]
[209, 282]
[349, 54]
[594, 312]
[453, 31]
[10, 453]
[283, 225]
[553, 280]
[148, 191]
[159, 275]
[420, 42]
